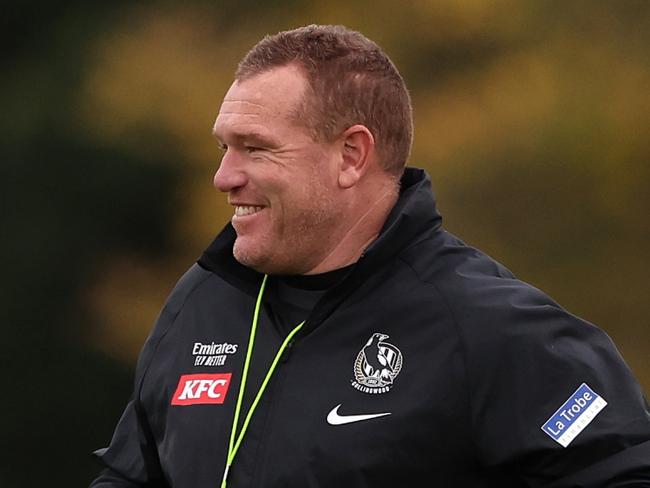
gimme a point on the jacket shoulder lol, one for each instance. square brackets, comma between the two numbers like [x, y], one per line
[471, 282]
[524, 355]
[495, 312]
[189, 282]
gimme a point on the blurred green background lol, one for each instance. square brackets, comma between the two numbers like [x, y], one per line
[533, 118]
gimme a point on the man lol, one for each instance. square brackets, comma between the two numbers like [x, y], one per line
[335, 335]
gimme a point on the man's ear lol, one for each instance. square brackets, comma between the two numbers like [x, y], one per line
[358, 150]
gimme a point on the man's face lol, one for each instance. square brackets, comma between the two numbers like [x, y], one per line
[282, 184]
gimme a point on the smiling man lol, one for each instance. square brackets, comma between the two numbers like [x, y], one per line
[275, 175]
[334, 334]
[303, 204]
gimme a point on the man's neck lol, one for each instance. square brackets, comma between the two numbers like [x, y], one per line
[363, 232]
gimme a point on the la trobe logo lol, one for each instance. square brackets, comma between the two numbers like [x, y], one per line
[377, 365]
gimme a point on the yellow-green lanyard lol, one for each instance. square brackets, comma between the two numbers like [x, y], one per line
[232, 445]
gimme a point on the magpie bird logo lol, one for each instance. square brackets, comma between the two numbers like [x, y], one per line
[377, 365]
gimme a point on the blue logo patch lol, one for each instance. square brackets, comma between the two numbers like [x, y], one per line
[572, 417]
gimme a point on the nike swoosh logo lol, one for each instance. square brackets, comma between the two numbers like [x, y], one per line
[333, 418]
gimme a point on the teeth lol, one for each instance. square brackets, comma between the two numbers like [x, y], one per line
[240, 211]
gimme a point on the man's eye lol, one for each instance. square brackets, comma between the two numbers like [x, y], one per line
[251, 149]
[222, 147]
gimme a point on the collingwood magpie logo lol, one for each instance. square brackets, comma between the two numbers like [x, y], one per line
[377, 365]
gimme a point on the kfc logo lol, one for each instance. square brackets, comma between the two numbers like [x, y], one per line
[195, 389]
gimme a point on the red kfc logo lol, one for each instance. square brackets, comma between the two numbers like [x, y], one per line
[194, 389]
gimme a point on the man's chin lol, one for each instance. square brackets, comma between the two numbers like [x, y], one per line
[246, 256]
[256, 259]
[252, 257]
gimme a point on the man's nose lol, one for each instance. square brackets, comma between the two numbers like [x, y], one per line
[230, 174]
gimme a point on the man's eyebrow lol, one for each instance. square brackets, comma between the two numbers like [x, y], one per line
[253, 137]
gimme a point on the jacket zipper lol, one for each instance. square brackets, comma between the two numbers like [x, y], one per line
[287, 351]
[237, 437]
[258, 476]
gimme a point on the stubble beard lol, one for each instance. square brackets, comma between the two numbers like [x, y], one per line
[301, 245]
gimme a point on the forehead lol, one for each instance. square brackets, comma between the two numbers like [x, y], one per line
[267, 98]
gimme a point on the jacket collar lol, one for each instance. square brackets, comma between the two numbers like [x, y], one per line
[413, 217]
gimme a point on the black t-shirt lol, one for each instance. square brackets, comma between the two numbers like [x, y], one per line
[292, 298]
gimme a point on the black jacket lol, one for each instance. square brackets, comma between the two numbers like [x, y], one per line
[481, 378]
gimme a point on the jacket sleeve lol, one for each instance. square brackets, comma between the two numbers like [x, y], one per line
[552, 401]
[111, 479]
[132, 458]
[629, 467]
